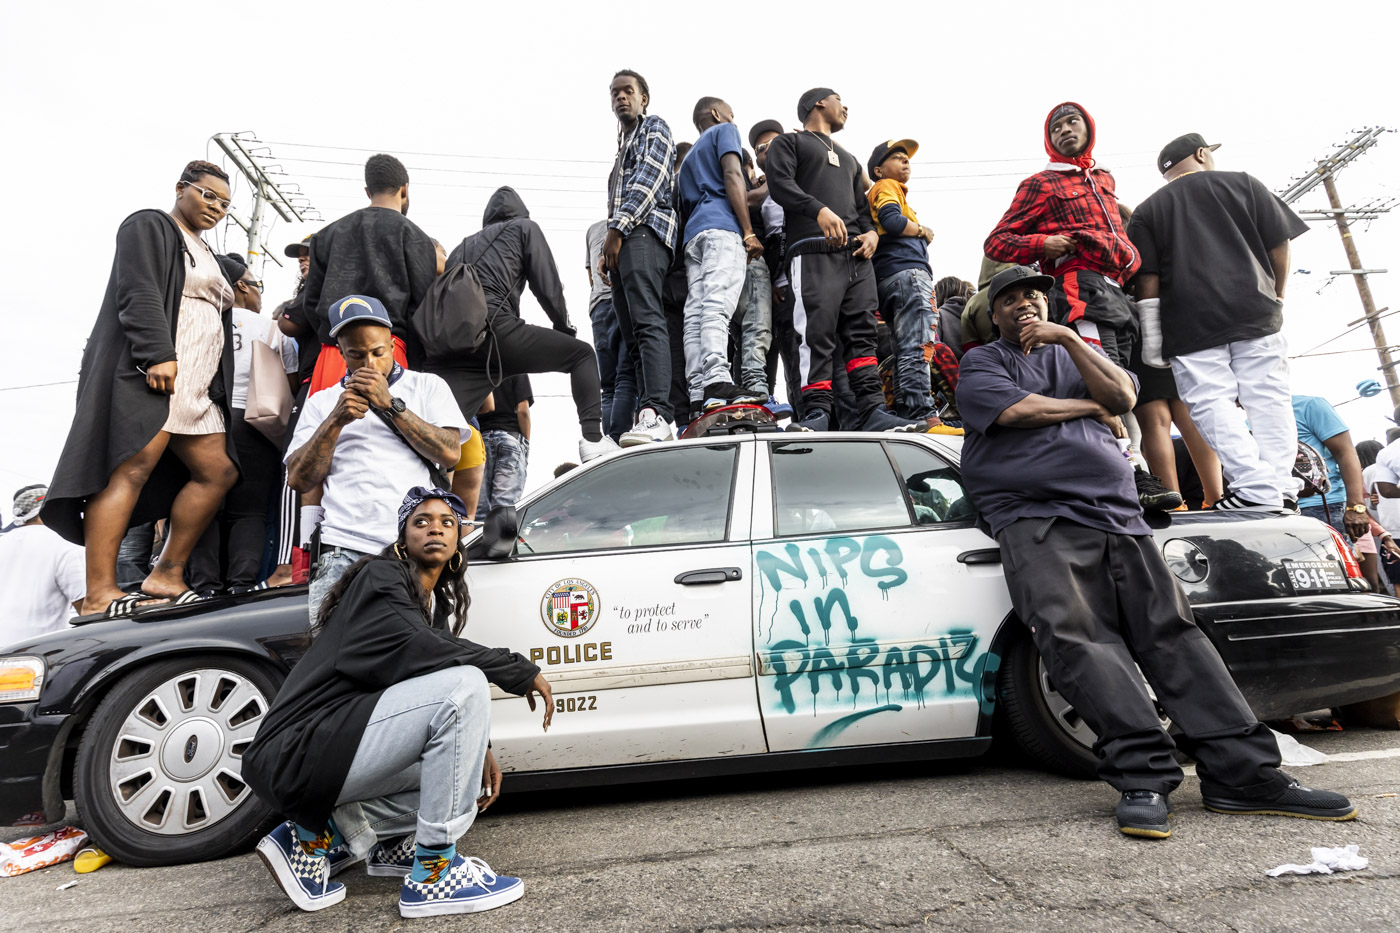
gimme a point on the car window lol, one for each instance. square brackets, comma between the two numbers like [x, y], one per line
[834, 486]
[936, 492]
[675, 496]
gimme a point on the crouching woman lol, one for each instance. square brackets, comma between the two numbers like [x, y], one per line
[375, 746]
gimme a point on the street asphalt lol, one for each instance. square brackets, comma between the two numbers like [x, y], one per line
[981, 846]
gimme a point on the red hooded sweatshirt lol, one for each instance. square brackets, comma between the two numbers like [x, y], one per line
[1071, 197]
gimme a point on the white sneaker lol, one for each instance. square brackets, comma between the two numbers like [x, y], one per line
[592, 450]
[650, 427]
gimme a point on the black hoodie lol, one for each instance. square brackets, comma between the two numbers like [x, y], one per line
[509, 252]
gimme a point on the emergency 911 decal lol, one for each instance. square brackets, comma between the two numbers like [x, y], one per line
[570, 607]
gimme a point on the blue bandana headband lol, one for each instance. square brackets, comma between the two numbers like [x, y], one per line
[392, 378]
[420, 494]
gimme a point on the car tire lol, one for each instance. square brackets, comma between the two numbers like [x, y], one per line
[1044, 725]
[157, 779]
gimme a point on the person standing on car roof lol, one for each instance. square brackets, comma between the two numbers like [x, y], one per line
[1214, 249]
[508, 253]
[830, 239]
[1066, 218]
[380, 429]
[41, 575]
[718, 243]
[376, 746]
[638, 248]
[1086, 576]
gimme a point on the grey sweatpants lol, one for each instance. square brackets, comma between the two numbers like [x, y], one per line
[1101, 605]
[418, 767]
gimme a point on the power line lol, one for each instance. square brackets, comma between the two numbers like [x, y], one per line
[38, 385]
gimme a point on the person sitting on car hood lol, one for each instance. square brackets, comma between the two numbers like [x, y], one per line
[375, 746]
[1087, 579]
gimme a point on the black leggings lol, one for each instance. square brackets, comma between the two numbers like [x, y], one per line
[514, 347]
[242, 522]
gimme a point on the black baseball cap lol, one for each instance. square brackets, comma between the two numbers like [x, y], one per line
[761, 127]
[1180, 148]
[809, 100]
[293, 250]
[882, 152]
[1017, 275]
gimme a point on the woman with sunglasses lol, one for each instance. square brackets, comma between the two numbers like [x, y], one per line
[149, 437]
[375, 749]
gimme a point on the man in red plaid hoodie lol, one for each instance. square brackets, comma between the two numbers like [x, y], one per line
[1066, 218]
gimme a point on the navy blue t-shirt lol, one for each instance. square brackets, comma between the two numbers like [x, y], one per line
[702, 181]
[1072, 470]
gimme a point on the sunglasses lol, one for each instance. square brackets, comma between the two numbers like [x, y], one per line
[210, 197]
[252, 283]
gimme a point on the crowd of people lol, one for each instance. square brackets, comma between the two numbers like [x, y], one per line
[1090, 331]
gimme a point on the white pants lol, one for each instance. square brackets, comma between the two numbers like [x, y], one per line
[1258, 464]
[715, 266]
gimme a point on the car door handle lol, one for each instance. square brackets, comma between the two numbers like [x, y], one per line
[986, 555]
[710, 575]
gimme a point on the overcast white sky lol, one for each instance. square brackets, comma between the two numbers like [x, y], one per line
[105, 103]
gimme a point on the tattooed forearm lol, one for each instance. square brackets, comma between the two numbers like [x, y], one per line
[308, 466]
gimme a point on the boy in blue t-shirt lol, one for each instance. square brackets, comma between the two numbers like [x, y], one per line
[718, 243]
[1322, 429]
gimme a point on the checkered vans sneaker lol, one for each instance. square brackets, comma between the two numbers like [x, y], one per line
[393, 859]
[465, 886]
[339, 859]
[304, 878]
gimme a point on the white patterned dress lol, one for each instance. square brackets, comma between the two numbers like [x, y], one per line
[199, 342]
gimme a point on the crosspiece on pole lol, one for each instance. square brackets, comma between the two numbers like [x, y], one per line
[1358, 271]
[233, 147]
[1328, 167]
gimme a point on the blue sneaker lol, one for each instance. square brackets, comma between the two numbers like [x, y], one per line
[463, 886]
[778, 409]
[393, 859]
[304, 878]
[339, 859]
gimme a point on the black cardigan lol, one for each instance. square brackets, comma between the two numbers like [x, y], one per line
[117, 413]
[376, 637]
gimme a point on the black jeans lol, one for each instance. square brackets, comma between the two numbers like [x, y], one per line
[642, 265]
[514, 347]
[242, 522]
[1097, 604]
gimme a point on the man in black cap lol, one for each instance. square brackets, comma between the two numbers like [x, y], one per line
[1087, 579]
[830, 239]
[1214, 249]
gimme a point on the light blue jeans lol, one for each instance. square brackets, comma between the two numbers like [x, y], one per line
[906, 304]
[331, 566]
[714, 267]
[756, 305]
[419, 763]
[507, 456]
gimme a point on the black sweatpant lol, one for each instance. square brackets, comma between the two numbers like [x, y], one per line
[1096, 309]
[784, 346]
[1098, 603]
[513, 347]
[240, 528]
[834, 294]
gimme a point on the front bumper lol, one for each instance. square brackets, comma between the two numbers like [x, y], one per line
[1308, 652]
[27, 740]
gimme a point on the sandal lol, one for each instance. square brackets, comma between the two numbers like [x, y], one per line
[122, 607]
[185, 598]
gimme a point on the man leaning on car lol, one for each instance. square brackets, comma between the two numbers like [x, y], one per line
[1087, 579]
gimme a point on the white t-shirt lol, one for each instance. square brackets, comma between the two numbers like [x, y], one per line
[1387, 511]
[41, 576]
[247, 327]
[372, 469]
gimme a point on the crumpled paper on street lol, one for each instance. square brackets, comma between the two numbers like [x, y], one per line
[1295, 754]
[41, 851]
[1325, 861]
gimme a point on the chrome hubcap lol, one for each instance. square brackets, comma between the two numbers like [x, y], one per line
[175, 765]
[1070, 721]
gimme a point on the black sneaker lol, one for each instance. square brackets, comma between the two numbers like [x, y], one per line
[881, 419]
[816, 421]
[1293, 800]
[1143, 813]
[722, 394]
[1152, 495]
[1291, 505]
[1233, 503]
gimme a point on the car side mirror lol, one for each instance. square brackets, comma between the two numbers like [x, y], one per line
[498, 533]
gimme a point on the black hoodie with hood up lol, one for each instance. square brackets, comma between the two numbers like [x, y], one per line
[509, 252]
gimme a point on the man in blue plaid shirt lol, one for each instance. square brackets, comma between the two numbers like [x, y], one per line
[641, 236]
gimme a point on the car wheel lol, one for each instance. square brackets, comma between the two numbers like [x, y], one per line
[158, 775]
[1046, 726]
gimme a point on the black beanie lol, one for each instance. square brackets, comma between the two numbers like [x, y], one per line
[807, 101]
[232, 267]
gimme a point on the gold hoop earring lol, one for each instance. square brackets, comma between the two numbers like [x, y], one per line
[455, 564]
[400, 553]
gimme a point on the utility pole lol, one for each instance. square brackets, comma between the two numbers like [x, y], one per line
[253, 160]
[1325, 174]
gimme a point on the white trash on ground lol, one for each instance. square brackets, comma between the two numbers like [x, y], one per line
[1325, 861]
[1295, 754]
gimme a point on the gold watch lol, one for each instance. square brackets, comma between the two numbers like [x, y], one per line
[1359, 508]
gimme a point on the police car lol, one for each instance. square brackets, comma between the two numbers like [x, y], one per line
[713, 606]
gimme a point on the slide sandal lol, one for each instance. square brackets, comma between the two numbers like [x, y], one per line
[185, 598]
[129, 603]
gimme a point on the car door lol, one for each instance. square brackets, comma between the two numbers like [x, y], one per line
[875, 595]
[629, 586]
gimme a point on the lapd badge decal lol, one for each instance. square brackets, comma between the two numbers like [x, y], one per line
[570, 607]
